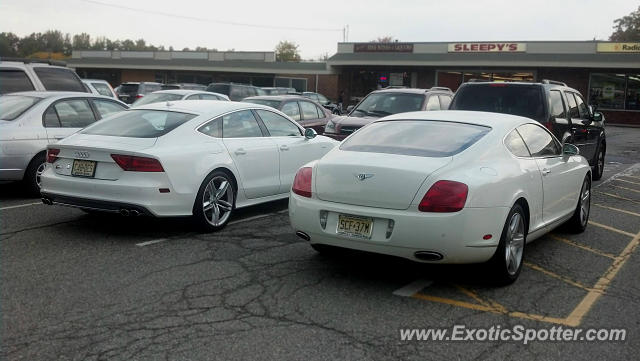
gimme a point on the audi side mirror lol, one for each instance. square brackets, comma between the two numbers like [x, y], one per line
[598, 116]
[570, 149]
[310, 133]
[349, 108]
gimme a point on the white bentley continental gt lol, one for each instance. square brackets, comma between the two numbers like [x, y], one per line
[183, 158]
[443, 187]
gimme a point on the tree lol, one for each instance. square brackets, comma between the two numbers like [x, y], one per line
[627, 28]
[383, 39]
[81, 41]
[9, 44]
[287, 51]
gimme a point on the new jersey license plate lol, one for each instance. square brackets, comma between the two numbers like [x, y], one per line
[83, 168]
[354, 226]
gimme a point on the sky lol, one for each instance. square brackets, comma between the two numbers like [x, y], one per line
[317, 27]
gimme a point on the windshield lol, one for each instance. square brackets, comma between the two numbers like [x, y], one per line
[415, 137]
[156, 98]
[219, 88]
[13, 106]
[383, 104]
[139, 124]
[522, 100]
[270, 103]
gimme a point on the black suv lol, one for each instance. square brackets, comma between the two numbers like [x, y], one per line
[129, 92]
[559, 108]
[235, 92]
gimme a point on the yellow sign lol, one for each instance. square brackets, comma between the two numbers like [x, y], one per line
[618, 47]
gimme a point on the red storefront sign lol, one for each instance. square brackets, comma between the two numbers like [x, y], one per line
[487, 47]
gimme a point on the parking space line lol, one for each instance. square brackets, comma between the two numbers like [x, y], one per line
[20, 206]
[412, 288]
[489, 303]
[609, 228]
[627, 189]
[617, 210]
[619, 197]
[582, 246]
[630, 176]
[627, 181]
[148, 243]
[575, 318]
[452, 302]
[557, 276]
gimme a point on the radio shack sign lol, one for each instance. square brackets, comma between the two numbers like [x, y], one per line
[383, 48]
[618, 47]
[487, 47]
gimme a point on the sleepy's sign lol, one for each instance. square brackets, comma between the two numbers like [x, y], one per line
[487, 47]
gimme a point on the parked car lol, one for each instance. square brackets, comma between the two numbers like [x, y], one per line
[186, 86]
[199, 159]
[322, 100]
[306, 112]
[29, 121]
[101, 87]
[131, 91]
[30, 74]
[235, 92]
[384, 102]
[278, 90]
[480, 188]
[553, 104]
[179, 94]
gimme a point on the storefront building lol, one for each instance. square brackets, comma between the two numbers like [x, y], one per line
[606, 73]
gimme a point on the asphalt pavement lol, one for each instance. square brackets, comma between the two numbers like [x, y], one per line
[84, 287]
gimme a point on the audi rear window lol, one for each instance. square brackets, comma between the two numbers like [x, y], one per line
[13, 106]
[14, 81]
[516, 99]
[139, 124]
[59, 79]
[418, 138]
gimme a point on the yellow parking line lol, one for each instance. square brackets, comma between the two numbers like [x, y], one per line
[631, 176]
[575, 318]
[617, 209]
[448, 301]
[619, 197]
[627, 189]
[585, 247]
[529, 316]
[489, 303]
[608, 228]
[627, 181]
[557, 276]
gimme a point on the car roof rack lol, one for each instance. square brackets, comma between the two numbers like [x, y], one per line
[34, 60]
[439, 88]
[547, 81]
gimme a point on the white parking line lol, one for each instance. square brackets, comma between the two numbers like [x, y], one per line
[412, 288]
[160, 240]
[20, 206]
[151, 242]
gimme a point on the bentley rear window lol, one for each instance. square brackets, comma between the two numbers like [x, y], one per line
[415, 137]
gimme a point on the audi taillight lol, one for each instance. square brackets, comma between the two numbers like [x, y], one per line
[444, 196]
[137, 164]
[52, 155]
[302, 182]
[138, 96]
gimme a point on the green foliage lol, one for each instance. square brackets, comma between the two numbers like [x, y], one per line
[627, 28]
[287, 51]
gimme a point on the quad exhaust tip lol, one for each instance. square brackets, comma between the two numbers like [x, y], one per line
[303, 235]
[46, 201]
[428, 256]
[129, 212]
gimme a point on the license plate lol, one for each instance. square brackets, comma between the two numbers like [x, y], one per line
[354, 226]
[83, 168]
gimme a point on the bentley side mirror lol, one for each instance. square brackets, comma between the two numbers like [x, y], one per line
[310, 133]
[570, 149]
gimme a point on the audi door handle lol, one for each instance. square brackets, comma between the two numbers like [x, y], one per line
[59, 138]
[546, 171]
[284, 147]
[240, 151]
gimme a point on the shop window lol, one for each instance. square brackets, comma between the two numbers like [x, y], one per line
[607, 90]
[633, 92]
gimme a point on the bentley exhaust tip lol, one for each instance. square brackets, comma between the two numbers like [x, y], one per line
[46, 201]
[428, 256]
[134, 212]
[303, 236]
[124, 212]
